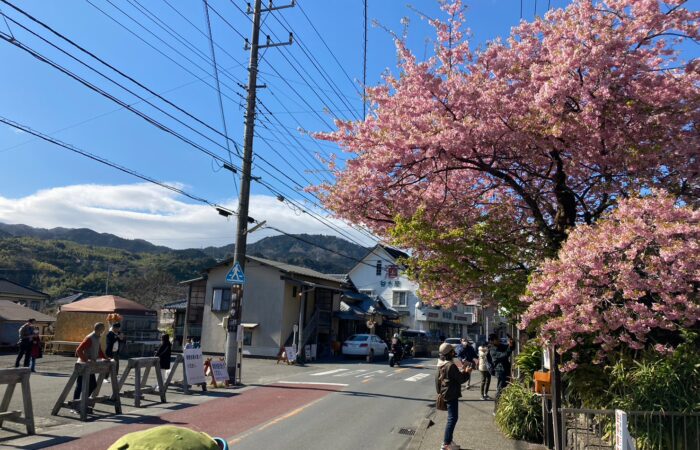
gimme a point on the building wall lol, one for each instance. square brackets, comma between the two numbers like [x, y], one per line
[37, 303]
[262, 304]
[365, 278]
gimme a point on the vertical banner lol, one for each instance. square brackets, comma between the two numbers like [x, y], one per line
[623, 440]
[194, 365]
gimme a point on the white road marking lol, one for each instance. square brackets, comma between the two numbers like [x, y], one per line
[418, 377]
[370, 374]
[328, 372]
[311, 383]
[351, 373]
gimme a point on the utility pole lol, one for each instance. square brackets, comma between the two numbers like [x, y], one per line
[233, 346]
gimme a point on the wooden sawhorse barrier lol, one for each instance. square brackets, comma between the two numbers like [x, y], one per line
[141, 386]
[11, 377]
[100, 368]
[184, 384]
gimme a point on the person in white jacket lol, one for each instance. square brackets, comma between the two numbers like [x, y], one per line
[485, 369]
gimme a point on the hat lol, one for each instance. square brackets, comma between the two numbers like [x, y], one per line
[445, 348]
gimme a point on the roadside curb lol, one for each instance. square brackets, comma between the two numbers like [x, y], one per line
[417, 438]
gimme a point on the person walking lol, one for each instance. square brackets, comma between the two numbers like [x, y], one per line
[448, 381]
[164, 352]
[485, 367]
[114, 341]
[36, 352]
[89, 350]
[26, 332]
[468, 357]
[500, 358]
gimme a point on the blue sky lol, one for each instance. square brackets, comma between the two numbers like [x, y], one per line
[43, 185]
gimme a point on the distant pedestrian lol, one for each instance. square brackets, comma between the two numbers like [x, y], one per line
[26, 332]
[189, 345]
[468, 357]
[485, 367]
[36, 349]
[448, 381]
[89, 350]
[164, 352]
[114, 342]
[500, 358]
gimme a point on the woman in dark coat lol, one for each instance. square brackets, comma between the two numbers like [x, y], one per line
[448, 382]
[163, 353]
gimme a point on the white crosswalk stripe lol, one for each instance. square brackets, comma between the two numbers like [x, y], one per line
[328, 372]
[351, 373]
[418, 377]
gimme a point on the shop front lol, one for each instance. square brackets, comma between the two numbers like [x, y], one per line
[444, 323]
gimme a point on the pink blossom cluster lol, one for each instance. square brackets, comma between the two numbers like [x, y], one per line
[615, 282]
[570, 112]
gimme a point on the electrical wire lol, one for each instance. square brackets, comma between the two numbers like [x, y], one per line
[106, 162]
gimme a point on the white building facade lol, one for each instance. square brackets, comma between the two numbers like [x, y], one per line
[380, 276]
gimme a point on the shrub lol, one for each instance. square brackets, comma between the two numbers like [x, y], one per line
[529, 359]
[519, 413]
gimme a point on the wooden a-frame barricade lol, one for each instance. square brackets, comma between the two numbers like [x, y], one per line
[11, 377]
[88, 399]
[141, 386]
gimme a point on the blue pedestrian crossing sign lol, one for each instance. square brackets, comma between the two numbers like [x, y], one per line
[235, 275]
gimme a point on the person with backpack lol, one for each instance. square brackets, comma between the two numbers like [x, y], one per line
[448, 384]
[485, 367]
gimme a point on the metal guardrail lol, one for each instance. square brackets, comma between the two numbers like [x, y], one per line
[594, 429]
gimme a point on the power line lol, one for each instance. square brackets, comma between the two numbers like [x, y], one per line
[218, 90]
[328, 48]
[112, 97]
[130, 31]
[106, 162]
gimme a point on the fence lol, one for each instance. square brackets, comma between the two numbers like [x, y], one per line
[594, 429]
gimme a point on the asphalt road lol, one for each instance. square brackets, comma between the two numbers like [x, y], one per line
[373, 404]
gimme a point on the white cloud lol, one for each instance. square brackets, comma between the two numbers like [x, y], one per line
[146, 211]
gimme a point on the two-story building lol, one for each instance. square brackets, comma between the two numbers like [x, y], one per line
[379, 275]
[276, 297]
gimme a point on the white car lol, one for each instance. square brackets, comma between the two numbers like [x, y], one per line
[363, 345]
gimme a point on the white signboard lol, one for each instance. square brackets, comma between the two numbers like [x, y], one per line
[623, 440]
[291, 353]
[194, 365]
[218, 369]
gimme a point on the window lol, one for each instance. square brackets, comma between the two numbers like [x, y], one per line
[294, 292]
[35, 305]
[400, 298]
[221, 300]
[247, 336]
[379, 268]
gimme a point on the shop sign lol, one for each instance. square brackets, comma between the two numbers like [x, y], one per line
[432, 315]
[392, 271]
[461, 318]
[194, 365]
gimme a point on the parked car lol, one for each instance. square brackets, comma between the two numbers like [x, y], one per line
[364, 345]
[420, 342]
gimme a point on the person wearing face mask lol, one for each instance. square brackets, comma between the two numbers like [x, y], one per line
[448, 382]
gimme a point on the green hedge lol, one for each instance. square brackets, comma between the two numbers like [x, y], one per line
[519, 413]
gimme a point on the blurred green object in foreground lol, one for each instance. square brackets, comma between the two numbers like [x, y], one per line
[166, 437]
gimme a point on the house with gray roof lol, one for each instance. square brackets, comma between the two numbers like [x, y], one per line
[22, 295]
[276, 297]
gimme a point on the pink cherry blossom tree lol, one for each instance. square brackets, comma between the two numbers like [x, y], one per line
[630, 281]
[537, 133]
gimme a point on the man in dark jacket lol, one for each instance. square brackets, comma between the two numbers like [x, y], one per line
[448, 381]
[26, 333]
[468, 357]
[115, 339]
[500, 358]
